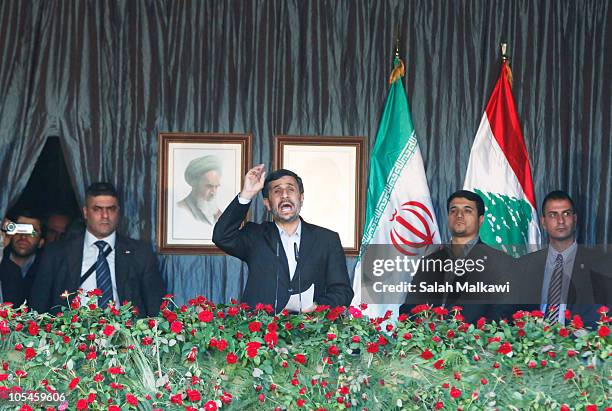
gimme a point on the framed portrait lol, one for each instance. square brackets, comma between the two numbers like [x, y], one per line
[333, 172]
[198, 176]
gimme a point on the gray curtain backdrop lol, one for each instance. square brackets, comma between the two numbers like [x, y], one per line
[107, 76]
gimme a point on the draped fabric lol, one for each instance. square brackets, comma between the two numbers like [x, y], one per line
[108, 76]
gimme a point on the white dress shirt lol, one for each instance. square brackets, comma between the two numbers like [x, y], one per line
[90, 256]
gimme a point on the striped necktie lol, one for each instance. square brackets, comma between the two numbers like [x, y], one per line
[103, 275]
[554, 290]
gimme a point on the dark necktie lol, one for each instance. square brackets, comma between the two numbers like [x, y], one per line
[554, 290]
[103, 275]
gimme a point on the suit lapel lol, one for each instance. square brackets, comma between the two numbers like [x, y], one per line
[122, 266]
[75, 261]
[306, 243]
[274, 242]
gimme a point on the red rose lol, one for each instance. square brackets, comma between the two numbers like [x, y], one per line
[221, 345]
[252, 348]
[254, 326]
[484, 381]
[131, 399]
[426, 355]
[505, 348]
[98, 377]
[114, 408]
[455, 393]
[82, 404]
[420, 308]
[176, 399]
[300, 358]
[333, 350]
[73, 383]
[355, 312]
[569, 375]
[372, 347]
[116, 370]
[231, 358]
[590, 407]
[439, 405]
[205, 316]
[108, 330]
[603, 331]
[210, 406]
[193, 395]
[271, 338]
[577, 322]
[176, 327]
[147, 341]
[300, 403]
[30, 353]
[438, 365]
[33, 328]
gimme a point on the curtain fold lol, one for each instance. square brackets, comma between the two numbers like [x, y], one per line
[108, 76]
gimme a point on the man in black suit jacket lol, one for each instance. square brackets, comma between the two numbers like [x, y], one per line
[123, 269]
[447, 265]
[21, 258]
[285, 257]
[585, 277]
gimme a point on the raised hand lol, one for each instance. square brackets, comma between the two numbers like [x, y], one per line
[253, 182]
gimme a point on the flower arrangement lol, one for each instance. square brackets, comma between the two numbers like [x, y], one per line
[203, 356]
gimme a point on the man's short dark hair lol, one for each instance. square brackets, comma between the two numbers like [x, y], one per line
[469, 195]
[101, 189]
[275, 175]
[557, 195]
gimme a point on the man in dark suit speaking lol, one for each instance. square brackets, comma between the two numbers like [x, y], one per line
[123, 269]
[292, 264]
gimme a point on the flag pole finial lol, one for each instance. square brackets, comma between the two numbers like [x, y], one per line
[399, 69]
[504, 56]
[505, 62]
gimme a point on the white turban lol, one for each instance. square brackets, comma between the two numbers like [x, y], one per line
[199, 166]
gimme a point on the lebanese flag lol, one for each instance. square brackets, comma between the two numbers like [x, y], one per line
[499, 171]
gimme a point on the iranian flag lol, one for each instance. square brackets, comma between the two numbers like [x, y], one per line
[399, 211]
[499, 171]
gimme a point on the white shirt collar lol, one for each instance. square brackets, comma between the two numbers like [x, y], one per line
[298, 231]
[90, 239]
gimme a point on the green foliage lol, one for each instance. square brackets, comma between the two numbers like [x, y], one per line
[203, 356]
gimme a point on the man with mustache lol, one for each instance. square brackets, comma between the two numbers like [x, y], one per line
[122, 269]
[566, 275]
[287, 257]
[21, 257]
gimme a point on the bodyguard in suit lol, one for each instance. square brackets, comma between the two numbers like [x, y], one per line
[465, 217]
[287, 256]
[566, 275]
[122, 268]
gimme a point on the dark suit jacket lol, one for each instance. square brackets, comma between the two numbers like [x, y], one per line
[590, 286]
[136, 274]
[498, 268]
[15, 288]
[321, 260]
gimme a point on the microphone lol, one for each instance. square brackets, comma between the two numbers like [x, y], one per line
[277, 270]
[297, 255]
